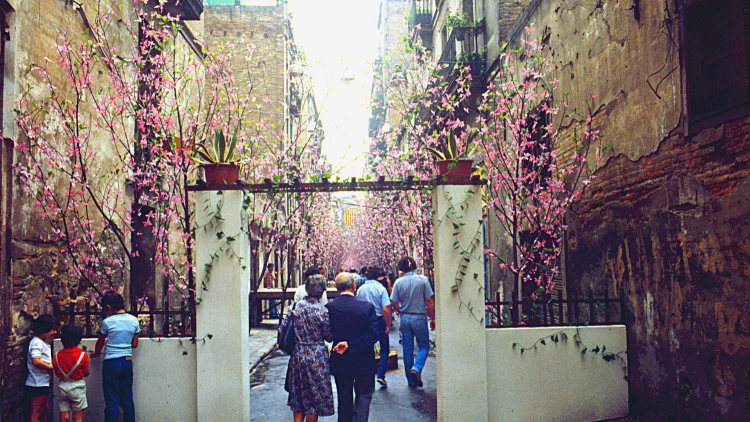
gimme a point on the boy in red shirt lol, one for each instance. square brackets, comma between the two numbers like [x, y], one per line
[71, 366]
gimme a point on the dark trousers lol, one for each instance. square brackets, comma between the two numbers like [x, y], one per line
[385, 347]
[117, 384]
[353, 409]
[273, 311]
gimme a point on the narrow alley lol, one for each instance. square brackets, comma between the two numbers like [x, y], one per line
[398, 402]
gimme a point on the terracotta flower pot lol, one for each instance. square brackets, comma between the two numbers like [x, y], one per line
[460, 173]
[220, 174]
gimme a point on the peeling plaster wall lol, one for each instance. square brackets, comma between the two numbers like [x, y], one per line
[666, 219]
[37, 277]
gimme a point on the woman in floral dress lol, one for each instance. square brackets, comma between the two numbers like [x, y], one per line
[310, 393]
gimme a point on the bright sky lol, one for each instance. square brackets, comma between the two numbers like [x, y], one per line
[340, 40]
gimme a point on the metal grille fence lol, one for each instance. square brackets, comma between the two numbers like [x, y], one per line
[553, 310]
[176, 322]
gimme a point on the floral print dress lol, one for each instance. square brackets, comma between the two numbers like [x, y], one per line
[310, 389]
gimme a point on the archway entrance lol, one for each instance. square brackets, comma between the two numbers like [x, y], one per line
[458, 281]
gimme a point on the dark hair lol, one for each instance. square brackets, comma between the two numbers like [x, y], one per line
[43, 324]
[373, 272]
[114, 300]
[315, 285]
[71, 335]
[310, 271]
[407, 264]
[270, 266]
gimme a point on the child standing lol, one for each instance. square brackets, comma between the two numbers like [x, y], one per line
[39, 361]
[120, 332]
[71, 366]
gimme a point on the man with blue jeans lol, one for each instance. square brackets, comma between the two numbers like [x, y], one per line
[412, 297]
[374, 292]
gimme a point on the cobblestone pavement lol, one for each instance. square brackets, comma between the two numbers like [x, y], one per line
[398, 402]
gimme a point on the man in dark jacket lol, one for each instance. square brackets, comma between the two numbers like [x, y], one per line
[354, 328]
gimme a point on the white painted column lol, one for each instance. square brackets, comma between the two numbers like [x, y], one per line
[223, 365]
[459, 303]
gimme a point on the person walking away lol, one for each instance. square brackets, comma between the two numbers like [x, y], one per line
[308, 373]
[301, 292]
[39, 362]
[362, 277]
[412, 297]
[374, 292]
[384, 280]
[354, 327]
[71, 367]
[269, 282]
[120, 333]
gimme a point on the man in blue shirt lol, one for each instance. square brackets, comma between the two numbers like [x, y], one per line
[412, 297]
[374, 292]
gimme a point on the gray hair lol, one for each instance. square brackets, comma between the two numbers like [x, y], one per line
[315, 285]
[344, 281]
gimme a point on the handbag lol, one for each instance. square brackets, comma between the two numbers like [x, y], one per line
[286, 338]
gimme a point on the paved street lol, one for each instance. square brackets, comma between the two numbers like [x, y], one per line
[397, 402]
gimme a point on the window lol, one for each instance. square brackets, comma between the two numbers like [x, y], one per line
[537, 167]
[716, 48]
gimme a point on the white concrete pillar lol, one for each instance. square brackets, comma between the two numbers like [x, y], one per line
[459, 304]
[223, 360]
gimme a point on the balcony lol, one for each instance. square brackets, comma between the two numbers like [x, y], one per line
[420, 14]
[452, 62]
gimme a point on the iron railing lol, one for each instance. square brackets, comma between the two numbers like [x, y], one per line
[176, 322]
[420, 13]
[554, 311]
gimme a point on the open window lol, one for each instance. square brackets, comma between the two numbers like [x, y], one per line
[716, 61]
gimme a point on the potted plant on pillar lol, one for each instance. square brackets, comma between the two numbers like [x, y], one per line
[220, 166]
[453, 155]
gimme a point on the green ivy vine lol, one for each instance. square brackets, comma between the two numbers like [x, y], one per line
[454, 216]
[562, 337]
[215, 222]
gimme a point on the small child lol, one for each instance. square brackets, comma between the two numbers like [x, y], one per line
[120, 332]
[39, 361]
[71, 366]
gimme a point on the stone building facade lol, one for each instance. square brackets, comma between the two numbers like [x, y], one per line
[261, 74]
[665, 222]
[391, 30]
[32, 277]
[283, 111]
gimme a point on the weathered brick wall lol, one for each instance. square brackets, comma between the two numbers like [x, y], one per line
[666, 218]
[264, 70]
[507, 14]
